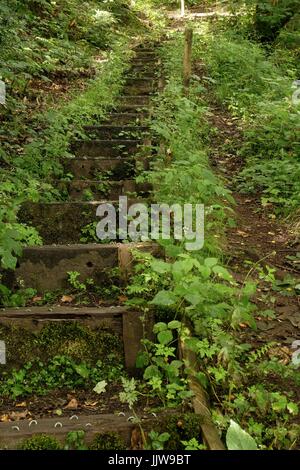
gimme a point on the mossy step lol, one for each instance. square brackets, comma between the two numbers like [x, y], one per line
[45, 268]
[145, 54]
[107, 131]
[133, 107]
[78, 326]
[93, 167]
[145, 49]
[139, 86]
[119, 118]
[145, 69]
[133, 80]
[80, 189]
[135, 99]
[66, 222]
[145, 60]
[106, 148]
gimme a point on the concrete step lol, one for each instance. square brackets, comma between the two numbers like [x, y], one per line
[145, 70]
[145, 60]
[139, 86]
[107, 131]
[45, 268]
[143, 100]
[124, 107]
[146, 48]
[108, 148]
[66, 222]
[95, 167]
[132, 118]
[81, 189]
[116, 319]
[145, 54]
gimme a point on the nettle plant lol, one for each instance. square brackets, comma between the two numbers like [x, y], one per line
[164, 373]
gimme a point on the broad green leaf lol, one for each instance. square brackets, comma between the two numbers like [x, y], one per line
[201, 377]
[165, 298]
[174, 324]
[194, 298]
[160, 326]
[222, 273]
[205, 271]
[160, 266]
[238, 439]
[211, 262]
[165, 337]
[142, 360]
[151, 371]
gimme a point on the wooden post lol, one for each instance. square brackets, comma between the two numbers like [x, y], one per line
[187, 60]
[182, 8]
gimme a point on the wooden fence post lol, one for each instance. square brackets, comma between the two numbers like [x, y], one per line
[182, 8]
[187, 60]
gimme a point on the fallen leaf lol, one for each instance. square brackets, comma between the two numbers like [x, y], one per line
[22, 404]
[17, 415]
[4, 418]
[91, 403]
[72, 405]
[242, 233]
[58, 412]
[37, 298]
[67, 299]
[122, 298]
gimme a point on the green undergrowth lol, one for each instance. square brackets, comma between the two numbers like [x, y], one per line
[259, 91]
[193, 292]
[53, 42]
[63, 355]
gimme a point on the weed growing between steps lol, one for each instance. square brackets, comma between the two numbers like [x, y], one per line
[76, 292]
[260, 94]
[247, 385]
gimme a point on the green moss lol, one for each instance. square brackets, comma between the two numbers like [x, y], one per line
[41, 442]
[64, 338]
[108, 441]
[182, 428]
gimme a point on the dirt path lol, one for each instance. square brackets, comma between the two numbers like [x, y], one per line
[258, 240]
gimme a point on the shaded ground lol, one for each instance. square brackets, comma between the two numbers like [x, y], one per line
[258, 240]
[64, 403]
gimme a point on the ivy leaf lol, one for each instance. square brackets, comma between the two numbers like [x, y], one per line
[238, 439]
[100, 387]
[165, 298]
